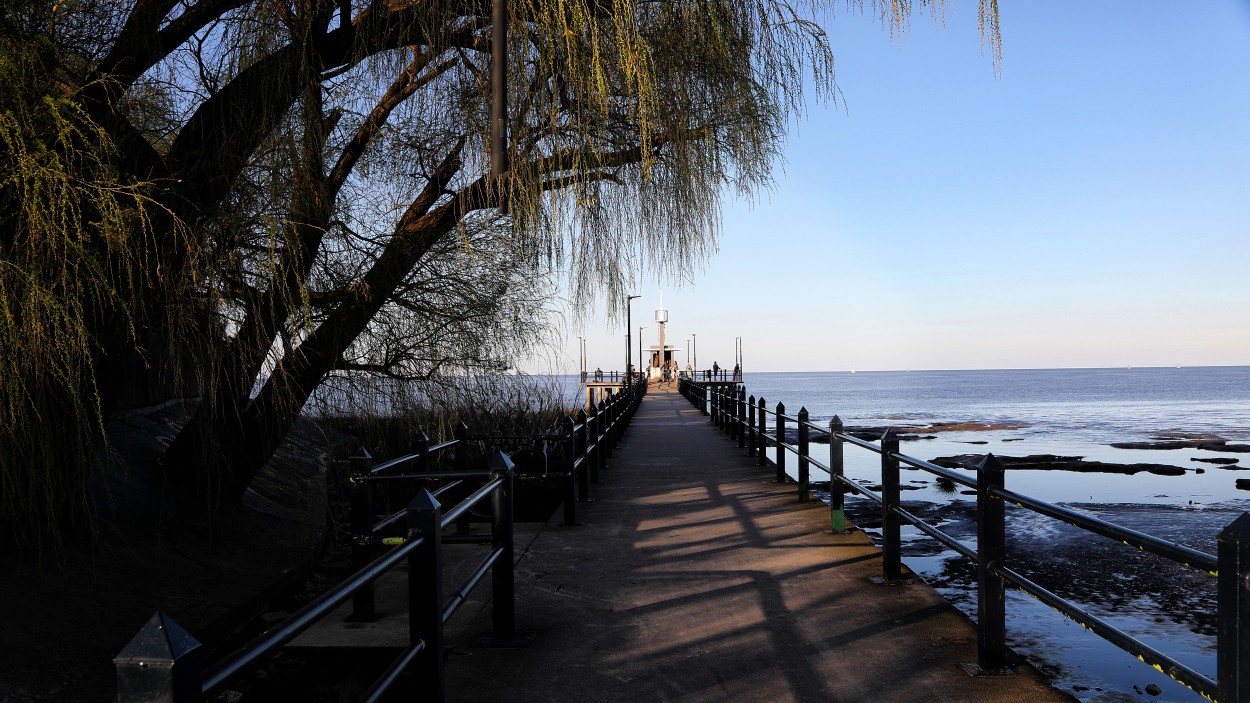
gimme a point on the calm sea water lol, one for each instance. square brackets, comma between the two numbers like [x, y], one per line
[1066, 412]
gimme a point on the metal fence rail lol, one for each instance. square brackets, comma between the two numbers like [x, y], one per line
[746, 419]
[165, 663]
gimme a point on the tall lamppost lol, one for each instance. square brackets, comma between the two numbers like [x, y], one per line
[629, 345]
[581, 359]
[688, 355]
[694, 344]
[738, 357]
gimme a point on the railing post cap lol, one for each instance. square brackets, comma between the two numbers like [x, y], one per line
[752, 399]
[461, 428]
[581, 415]
[160, 641]
[803, 412]
[420, 438]
[781, 407]
[991, 463]
[889, 435]
[501, 462]
[361, 453]
[424, 500]
[1236, 531]
[835, 421]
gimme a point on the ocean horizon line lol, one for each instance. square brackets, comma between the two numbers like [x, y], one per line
[1005, 368]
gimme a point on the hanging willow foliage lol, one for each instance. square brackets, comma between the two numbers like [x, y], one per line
[285, 188]
[74, 234]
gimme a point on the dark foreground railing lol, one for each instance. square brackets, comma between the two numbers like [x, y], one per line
[746, 420]
[164, 663]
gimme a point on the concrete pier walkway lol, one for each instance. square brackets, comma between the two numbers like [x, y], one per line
[694, 577]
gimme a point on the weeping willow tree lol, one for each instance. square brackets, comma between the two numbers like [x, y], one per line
[245, 196]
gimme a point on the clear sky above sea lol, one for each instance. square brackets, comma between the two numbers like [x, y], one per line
[1088, 207]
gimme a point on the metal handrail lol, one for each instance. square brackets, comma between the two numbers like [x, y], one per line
[270, 641]
[1169, 550]
[1144, 542]
[1203, 685]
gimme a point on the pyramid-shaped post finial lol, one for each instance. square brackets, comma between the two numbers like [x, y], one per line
[161, 662]
[501, 462]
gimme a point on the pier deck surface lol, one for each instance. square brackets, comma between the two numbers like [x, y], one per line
[695, 577]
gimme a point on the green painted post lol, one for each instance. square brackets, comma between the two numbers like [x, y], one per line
[837, 468]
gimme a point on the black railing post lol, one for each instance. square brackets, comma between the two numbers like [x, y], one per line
[804, 463]
[703, 399]
[618, 415]
[503, 600]
[592, 444]
[163, 663]
[600, 451]
[740, 420]
[891, 536]
[581, 450]
[991, 553]
[606, 429]
[722, 415]
[761, 457]
[751, 426]
[837, 468]
[362, 530]
[781, 441]
[715, 408]
[570, 481]
[421, 447]
[1233, 638]
[461, 433]
[425, 591]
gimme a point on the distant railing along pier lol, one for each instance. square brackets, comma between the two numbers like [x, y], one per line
[745, 419]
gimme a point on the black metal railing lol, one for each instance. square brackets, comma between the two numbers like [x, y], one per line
[587, 440]
[745, 418]
[601, 376]
[163, 662]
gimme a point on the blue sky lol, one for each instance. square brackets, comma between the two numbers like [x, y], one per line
[1089, 207]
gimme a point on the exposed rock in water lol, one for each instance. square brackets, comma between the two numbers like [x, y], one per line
[1210, 443]
[1243, 484]
[876, 487]
[906, 433]
[1051, 462]
[1222, 460]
